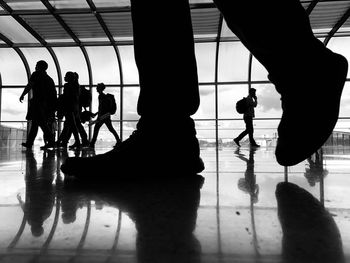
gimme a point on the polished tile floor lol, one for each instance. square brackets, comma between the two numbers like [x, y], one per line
[231, 212]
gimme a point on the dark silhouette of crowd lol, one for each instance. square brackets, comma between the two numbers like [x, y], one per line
[46, 109]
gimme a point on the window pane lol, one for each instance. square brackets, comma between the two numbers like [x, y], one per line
[205, 133]
[269, 101]
[104, 65]
[206, 108]
[226, 32]
[233, 62]
[130, 72]
[72, 59]
[111, 3]
[345, 101]
[341, 45]
[205, 56]
[228, 96]
[12, 69]
[69, 4]
[130, 98]
[14, 31]
[25, 4]
[11, 108]
[33, 55]
[258, 71]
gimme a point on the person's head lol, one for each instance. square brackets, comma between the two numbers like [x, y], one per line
[69, 77]
[37, 230]
[252, 92]
[76, 76]
[41, 65]
[69, 217]
[100, 87]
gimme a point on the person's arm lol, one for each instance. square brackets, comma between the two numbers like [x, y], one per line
[255, 101]
[25, 91]
[28, 87]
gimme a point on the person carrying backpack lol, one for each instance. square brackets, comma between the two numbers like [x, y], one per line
[248, 116]
[106, 107]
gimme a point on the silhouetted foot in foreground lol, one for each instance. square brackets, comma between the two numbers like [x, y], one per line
[310, 102]
[139, 153]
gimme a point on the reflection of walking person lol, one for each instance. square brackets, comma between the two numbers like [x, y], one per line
[315, 172]
[248, 183]
[248, 116]
[106, 107]
[41, 106]
[40, 192]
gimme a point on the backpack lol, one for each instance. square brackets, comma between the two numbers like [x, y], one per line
[242, 106]
[112, 105]
[85, 97]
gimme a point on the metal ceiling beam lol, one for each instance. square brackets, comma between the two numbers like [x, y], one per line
[311, 6]
[216, 80]
[42, 42]
[116, 50]
[59, 19]
[336, 27]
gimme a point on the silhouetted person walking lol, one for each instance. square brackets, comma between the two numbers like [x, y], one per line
[248, 116]
[42, 105]
[72, 108]
[65, 107]
[104, 114]
[169, 85]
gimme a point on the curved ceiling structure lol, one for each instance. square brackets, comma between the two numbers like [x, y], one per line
[107, 22]
[86, 26]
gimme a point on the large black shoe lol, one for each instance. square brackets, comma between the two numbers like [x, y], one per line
[310, 103]
[141, 152]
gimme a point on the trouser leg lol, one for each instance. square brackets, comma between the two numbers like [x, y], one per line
[167, 70]
[32, 132]
[96, 131]
[110, 127]
[47, 132]
[72, 125]
[82, 132]
[250, 129]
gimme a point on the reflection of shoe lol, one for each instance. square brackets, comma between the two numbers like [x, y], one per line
[48, 146]
[27, 145]
[139, 153]
[85, 144]
[117, 144]
[310, 104]
[75, 145]
[237, 142]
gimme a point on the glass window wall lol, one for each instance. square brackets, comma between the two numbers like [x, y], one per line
[72, 59]
[33, 55]
[12, 69]
[104, 65]
[233, 62]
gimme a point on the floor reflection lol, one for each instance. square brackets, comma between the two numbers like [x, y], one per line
[249, 210]
[310, 233]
